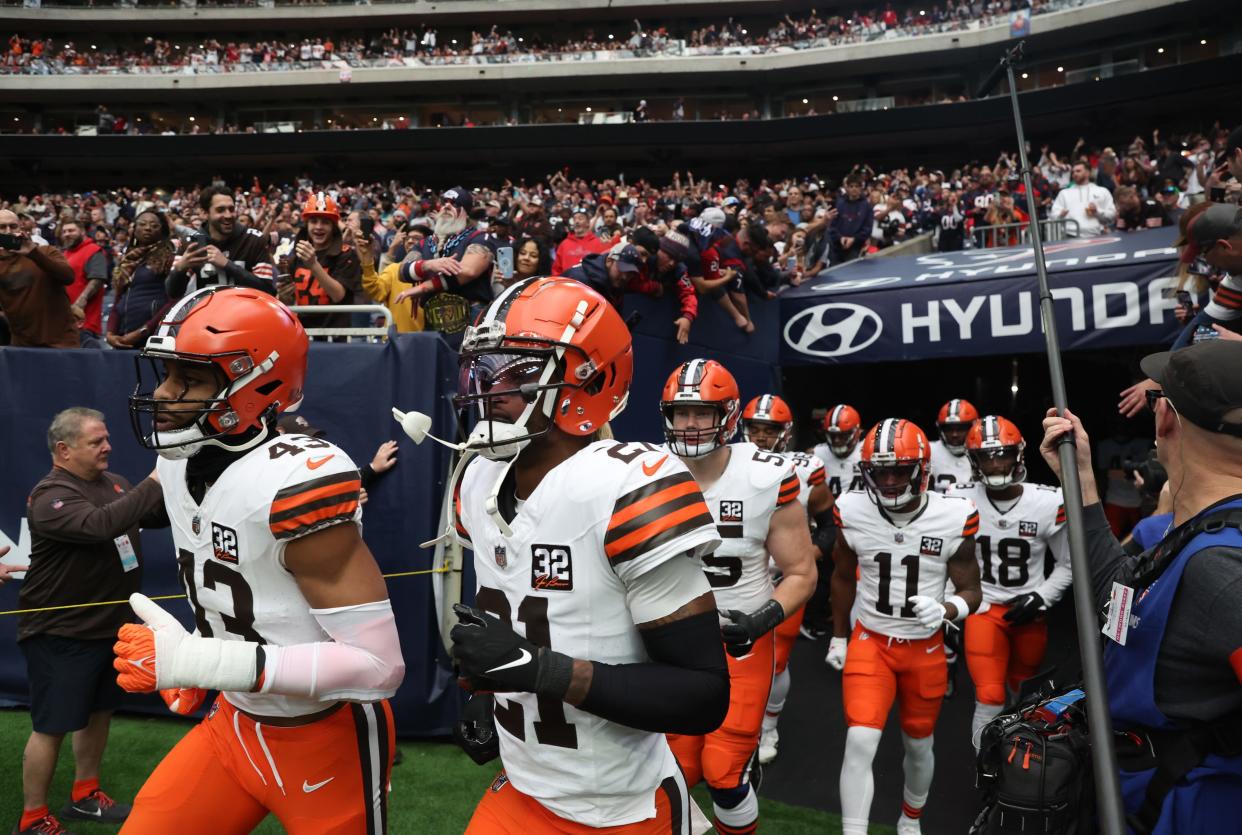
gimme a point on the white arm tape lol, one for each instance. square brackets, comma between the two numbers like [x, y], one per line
[958, 603]
[209, 663]
[361, 663]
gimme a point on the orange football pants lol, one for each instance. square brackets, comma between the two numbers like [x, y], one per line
[506, 811]
[879, 669]
[999, 653]
[721, 756]
[229, 772]
[786, 634]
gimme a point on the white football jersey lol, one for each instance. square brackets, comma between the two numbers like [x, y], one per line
[231, 548]
[810, 471]
[896, 563]
[597, 521]
[948, 468]
[843, 473]
[742, 500]
[1024, 548]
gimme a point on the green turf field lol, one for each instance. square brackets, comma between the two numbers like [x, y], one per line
[433, 791]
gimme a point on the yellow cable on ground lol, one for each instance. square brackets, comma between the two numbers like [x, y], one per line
[444, 570]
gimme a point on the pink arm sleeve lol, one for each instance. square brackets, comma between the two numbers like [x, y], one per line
[361, 663]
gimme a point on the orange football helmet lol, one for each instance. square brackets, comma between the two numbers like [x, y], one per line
[701, 382]
[843, 428]
[991, 439]
[254, 345]
[320, 204]
[772, 410]
[953, 422]
[557, 344]
[895, 463]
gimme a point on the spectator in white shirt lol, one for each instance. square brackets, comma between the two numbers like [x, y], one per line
[1091, 206]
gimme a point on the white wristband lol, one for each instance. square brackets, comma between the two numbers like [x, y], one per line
[960, 605]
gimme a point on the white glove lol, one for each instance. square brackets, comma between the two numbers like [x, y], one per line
[836, 653]
[928, 610]
[185, 660]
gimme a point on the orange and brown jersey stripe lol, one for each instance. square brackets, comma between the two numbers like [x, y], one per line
[817, 477]
[790, 488]
[972, 524]
[654, 514]
[314, 504]
[836, 516]
[1061, 515]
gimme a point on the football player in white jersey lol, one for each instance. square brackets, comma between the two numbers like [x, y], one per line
[767, 422]
[898, 542]
[949, 462]
[293, 622]
[593, 623]
[753, 496]
[840, 452]
[1023, 560]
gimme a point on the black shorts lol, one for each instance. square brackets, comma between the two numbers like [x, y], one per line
[70, 678]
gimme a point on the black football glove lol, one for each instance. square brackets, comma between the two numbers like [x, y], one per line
[475, 731]
[1025, 608]
[740, 635]
[491, 656]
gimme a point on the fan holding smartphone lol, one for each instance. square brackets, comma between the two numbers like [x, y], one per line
[36, 306]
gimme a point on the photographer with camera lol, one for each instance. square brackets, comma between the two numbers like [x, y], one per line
[1173, 661]
[225, 254]
[33, 282]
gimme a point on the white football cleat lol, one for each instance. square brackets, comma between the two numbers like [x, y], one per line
[908, 826]
[768, 741]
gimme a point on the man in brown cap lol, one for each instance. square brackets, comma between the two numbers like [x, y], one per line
[1173, 658]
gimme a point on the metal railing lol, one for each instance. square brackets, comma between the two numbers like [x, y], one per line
[1019, 234]
[371, 333]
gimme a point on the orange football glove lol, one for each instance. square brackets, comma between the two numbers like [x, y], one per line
[135, 658]
[183, 700]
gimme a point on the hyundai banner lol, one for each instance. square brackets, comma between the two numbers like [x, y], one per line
[1107, 292]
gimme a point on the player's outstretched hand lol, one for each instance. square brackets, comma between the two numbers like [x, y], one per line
[927, 610]
[836, 653]
[475, 731]
[490, 656]
[1025, 608]
[746, 628]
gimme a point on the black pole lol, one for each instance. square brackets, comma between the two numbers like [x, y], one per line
[1104, 760]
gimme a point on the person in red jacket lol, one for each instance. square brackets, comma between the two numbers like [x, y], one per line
[579, 243]
[90, 277]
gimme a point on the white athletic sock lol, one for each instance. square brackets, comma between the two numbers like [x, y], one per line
[983, 715]
[742, 816]
[776, 699]
[918, 766]
[857, 783]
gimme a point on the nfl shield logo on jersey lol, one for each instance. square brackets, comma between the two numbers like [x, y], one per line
[501, 558]
[196, 524]
[1030, 529]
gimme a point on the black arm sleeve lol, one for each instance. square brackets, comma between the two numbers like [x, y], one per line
[176, 283]
[242, 277]
[684, 689]
[825, 535]
[1104, 552]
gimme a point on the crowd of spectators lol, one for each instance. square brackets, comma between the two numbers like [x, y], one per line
[48, 55]
[692, 239]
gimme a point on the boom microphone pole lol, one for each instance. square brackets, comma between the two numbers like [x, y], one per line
[1103, 758]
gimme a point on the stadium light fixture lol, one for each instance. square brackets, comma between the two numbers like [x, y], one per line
[806, 101]
[1026, 75]
[191, 118]
[836, 98]
[610, 37]
[1060, 69]
[588, 110]
[1203, 42]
